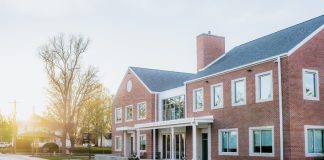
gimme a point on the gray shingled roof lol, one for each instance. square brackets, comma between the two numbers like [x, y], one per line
[160, 80]
[265, 47]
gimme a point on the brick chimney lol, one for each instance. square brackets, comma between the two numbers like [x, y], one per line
[209, 48]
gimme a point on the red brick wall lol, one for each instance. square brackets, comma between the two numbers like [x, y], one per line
[303, 112]
[242, 117]
[123, 98]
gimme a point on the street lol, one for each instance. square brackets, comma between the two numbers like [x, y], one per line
[17, 157]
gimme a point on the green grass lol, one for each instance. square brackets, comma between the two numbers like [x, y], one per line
[59, 157]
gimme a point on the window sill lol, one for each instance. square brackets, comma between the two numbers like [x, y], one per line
[314, 154]
[262, 154]
[130, 120]
[311, 98]
[263, 100]
[228, 153]
[238, 104]
[218, 107]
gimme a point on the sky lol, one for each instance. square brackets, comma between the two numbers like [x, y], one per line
[156, 34]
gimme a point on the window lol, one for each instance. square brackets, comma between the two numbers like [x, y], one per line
[217, 96]
[118, 143]
[261, 141]
[198, 99]
[314, 141]
[143, 142]
[238, 92]
[118, 115]
[228, 141]
[129, 113]
[141, 111]
[310, 84]
[263, 86]
[173, 108]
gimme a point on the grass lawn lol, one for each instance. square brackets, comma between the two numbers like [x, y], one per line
[59, 157]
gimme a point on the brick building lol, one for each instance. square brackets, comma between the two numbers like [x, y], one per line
[260, 100]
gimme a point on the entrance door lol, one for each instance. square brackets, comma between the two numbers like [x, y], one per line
[131, 144]
[179, 146]
[204, 143]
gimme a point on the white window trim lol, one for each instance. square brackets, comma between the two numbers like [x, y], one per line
[306, 127]
[129, 106]
[251, 129]
[212, 96]
[143, 135]
[121, 114]
[317, 98]
[220, 152]
[233, 92]
[121, 143]
[138, 118]
[194, 99]
[257, 87]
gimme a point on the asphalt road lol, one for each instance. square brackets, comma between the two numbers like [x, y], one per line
[17, 157]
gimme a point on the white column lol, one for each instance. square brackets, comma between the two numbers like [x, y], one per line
[209, 141]
[154, 145]
[194, 142]
[172, 143]
[125, 144]
[138, 143]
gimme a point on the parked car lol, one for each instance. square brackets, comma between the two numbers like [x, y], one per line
[5, 144]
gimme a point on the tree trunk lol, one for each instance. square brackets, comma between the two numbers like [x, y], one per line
[101, 140]
[63, 139]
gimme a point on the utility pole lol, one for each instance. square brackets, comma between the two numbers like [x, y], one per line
[15, 125]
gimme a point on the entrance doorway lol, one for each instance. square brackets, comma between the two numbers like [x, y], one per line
[179, 146]
[204, 143]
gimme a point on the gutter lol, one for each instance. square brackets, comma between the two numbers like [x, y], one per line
[280, 109]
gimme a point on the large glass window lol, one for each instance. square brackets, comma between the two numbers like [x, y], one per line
[238, 92]
[118, 143]
[261, 140]
[173, 108]
[228, 141]
[143, 142]
[198, 99]
[263, 86]
[217, 96]
[118, 115]
[129, 113]
[141, 111]
[315, 140]
[310, 84]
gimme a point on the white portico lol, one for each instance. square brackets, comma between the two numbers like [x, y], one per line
[172, 136]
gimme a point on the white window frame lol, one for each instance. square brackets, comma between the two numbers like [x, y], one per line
[143, 135]
[194, 100]
[306, 127]
[233, 91]
[138, 111]
[220, 142]
[213, 96]
[317, 98]
[129, 106]
[121, 115]
[257, 87]
[251, 143]
[121, 143]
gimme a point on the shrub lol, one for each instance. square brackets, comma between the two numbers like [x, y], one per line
[50, 147]
[94, 150]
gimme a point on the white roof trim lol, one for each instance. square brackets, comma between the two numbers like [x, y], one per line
[175, 123]
[238, 68]
[125, 129]
[142, 81]
[305, 40]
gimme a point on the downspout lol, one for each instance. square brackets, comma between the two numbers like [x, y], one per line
[280, 109]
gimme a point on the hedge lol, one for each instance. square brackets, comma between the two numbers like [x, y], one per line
[94, 150]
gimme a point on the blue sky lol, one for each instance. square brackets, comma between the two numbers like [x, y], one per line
[146, 33]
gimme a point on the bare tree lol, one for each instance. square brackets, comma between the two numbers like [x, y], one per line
[69, 85]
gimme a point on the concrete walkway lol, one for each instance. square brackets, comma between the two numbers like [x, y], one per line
[17, 157]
